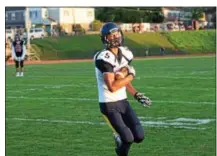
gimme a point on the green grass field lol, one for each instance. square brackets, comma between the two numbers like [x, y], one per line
[53, 110]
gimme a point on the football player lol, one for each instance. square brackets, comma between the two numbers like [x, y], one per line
[18, 53]
[112, 93]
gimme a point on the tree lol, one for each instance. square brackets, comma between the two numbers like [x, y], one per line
[197, 13]
[109, 18]
[96, 25]
[129, 14]
[214, 20]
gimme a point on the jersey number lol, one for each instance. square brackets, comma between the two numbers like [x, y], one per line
[107, 55]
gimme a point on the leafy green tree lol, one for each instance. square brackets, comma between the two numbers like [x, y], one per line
[129, 14]
[96, 25]
[197, 13]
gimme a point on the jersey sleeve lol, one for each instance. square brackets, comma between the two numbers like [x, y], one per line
[13, 50]
[105, 62]
[103, 66]
[24, 52]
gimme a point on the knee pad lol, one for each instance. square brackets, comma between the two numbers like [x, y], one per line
[21, 64]
[139, 134]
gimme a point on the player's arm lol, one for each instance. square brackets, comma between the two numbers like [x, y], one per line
[13, 52]
[140, 97]
[131, 89]
[24, 52]
[114, 85]
[109, 77]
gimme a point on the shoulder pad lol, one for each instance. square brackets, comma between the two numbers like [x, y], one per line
[107, 56]
[127, 53]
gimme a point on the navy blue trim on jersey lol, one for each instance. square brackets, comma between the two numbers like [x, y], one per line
[119, 55]
[129, 61]
[103, 66]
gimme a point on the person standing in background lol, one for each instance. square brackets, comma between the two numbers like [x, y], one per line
[18, 54]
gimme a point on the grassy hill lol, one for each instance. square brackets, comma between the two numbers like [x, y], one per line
[194, 41]
[86, 46]
[69, 47]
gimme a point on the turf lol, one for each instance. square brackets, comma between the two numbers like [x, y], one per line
[53, 110]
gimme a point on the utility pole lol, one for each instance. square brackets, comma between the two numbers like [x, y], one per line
[27, 25]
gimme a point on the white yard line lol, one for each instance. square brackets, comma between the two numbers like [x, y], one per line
[47, 86]
[178, 77]
[201, 72]
[162, 122]
[138, 78]
[96, 100]
[168, 57]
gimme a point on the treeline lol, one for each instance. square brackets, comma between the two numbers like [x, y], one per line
[146, 14]
[130, 14]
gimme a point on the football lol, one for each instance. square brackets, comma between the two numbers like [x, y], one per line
[122, 73]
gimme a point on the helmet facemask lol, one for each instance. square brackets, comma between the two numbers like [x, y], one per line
[115, 42]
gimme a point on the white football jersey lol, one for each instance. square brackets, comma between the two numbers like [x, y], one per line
[109, 58]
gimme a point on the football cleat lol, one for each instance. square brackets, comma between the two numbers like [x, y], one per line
[17, 74]
[118, 144]
[21, 74]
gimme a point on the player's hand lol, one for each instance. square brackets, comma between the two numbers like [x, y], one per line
[16, 58]
[144, 100]
[131, 70]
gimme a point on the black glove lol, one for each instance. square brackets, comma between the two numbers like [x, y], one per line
[144, 100]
